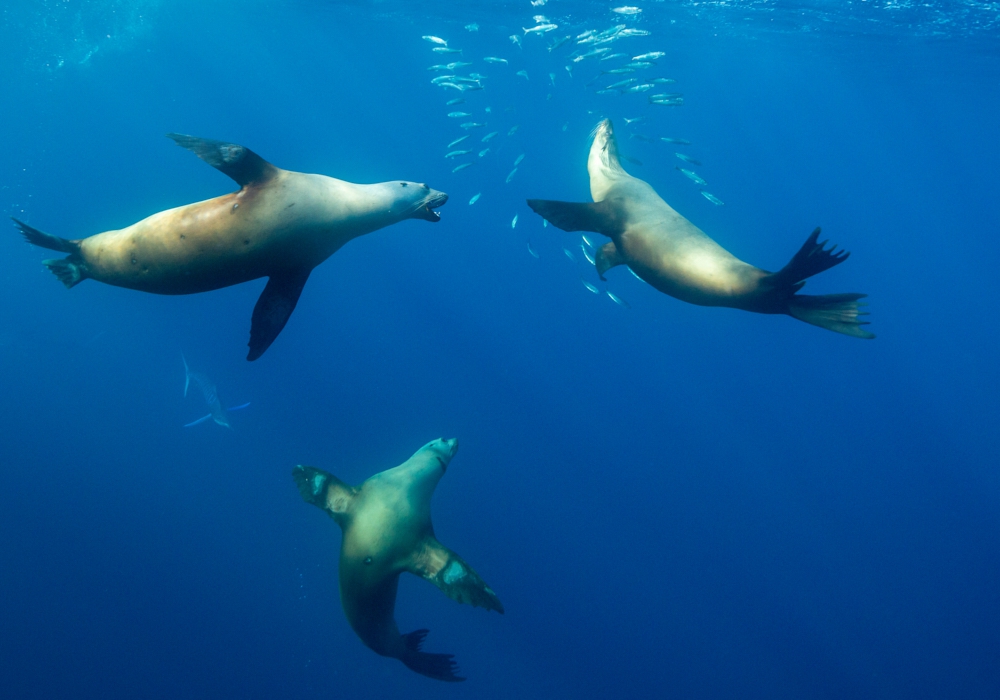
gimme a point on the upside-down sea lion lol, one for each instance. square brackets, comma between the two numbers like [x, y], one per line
[677, 258]
[280, 225]
[387, 530]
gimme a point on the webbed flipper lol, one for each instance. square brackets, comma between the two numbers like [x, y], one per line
[607, 257]
[238, 162]
[446, 570]
[440, 667]
[578, 216]
[275, 305]
[323, 490]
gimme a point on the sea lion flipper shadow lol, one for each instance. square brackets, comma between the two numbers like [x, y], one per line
[598, 217]
[238, 162]
[436, 563]
[273, 308]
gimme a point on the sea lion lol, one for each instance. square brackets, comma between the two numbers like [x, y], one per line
[280, 224]
[677, 258]
[387, 530]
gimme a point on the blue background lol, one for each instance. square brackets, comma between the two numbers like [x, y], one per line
[670, 501]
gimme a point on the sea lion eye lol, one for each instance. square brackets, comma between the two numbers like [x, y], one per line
[368, 560]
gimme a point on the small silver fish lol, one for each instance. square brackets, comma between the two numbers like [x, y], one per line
[670, 102]
[589, 286]
[692, 176]
[489, 136]
[435, 40]
[569, 254]
[458, 64]
[458, 115]
[545, 223]
[679, 142]
[622, 83]
[635, 32]
[517, 162]
[475, 198]
[439, 67]
[643, 87]
[712, 198]
[587, 241]
[472, 125]
[442, 79]
[454, 154]
[531, 250]
[635, 275]
[513, 223]
[445, 49]
[612, 56]
[456, 101]
[618, 300]
[663, 81]
[510, 132]
[516, 39]
[651, 56]
[541, 29]
[587, 254]
[688, 159]
[618, 71]
[458, 141]
[484, 152]
[463, 166]
[626, 10]
[666, 95]
[510, 176]
[638, 64]
[494, 59]
[552, 77]
[608, 91]
[557, 43]
[472, 27]
[523, 74]
[637, 120]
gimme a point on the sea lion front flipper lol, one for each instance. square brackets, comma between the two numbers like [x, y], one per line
[323, 490]
[238, 162]
[599, 217]
[446, 570]
[607, 257]
[275, 305]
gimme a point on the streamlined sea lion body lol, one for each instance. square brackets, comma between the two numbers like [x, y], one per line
[387, 529]
[280, 224]
[677, 258]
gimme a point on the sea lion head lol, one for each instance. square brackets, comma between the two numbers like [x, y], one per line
[603, 164]
[418, 201]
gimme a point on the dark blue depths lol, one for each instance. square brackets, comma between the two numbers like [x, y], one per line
[670, 501]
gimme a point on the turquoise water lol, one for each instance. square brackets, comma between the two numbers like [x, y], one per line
[669, 500]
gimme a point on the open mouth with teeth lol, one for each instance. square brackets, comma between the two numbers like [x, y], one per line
[426, 210]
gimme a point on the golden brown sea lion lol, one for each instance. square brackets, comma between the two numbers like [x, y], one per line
[677, 258]
[387, 530]
[280, 225]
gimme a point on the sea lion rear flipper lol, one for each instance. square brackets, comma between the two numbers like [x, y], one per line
[323, 490]
[440, 667]
[273, 308]
[446, 570]
[578, 216]
[238, 162]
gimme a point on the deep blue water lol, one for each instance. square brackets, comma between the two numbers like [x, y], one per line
[670, 500]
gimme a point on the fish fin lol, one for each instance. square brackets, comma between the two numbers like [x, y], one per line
[200, 420]
[324, 490]
[273, 308]
[835, 312]
[441, 667]
[813, 258]
[187, 375]
[238, 162]
[599, 217]
[436, 563]
[236, 408]
[606, 258]
[46, 240]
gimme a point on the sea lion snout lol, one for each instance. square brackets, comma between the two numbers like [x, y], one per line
[431, 201]
[444, 449]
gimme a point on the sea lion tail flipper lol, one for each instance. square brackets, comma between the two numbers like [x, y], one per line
[275, 305]
[441, 667]
[578, 216]
[46, 240]
[813, 258]
[70, 271]
[323, 490]
[835, 312]
[449, 572]
[606, 258]
[238, 162]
